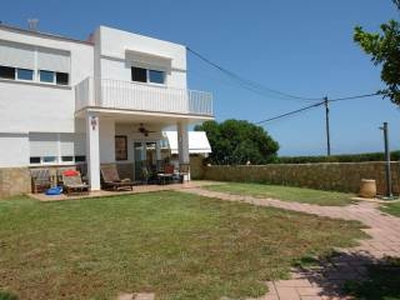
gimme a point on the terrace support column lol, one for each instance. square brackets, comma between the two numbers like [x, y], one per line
[93, 150]
[183, 146]
[158, 155]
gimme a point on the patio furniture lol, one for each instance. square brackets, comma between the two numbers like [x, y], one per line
[111, 179]
[184, 170]
[40, 180]
[167, 176]
[59, 174]
[73, 184]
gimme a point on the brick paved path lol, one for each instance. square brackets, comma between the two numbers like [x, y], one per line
[324, 282]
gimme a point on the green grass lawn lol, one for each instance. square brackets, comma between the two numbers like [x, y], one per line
[284, 193]
[391, 208]
[177, 245]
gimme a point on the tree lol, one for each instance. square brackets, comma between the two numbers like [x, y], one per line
[384, 50]
[237, 142]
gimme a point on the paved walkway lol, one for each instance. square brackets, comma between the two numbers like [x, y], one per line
[325, 281]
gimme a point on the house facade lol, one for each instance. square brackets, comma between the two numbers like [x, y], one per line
[106, 100]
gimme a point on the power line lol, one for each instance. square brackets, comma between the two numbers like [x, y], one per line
[292, 112]
[261, 89]
[249, 84]
[355, 97]
[324, 102]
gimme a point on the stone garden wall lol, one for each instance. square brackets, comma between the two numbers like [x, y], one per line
[196, 167]
[343, 177]
[14, 181]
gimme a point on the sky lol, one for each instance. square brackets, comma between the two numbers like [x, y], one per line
[304, 48]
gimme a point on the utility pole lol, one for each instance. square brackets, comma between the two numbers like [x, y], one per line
[385, 129]
[328, 138]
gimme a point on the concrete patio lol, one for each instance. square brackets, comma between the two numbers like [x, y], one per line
[145, 188]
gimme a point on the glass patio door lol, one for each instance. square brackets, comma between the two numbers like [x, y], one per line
[139, 159]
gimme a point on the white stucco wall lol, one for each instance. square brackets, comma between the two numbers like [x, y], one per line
[81, 53]
[14, 150]
[117, 50]
[107, 141]
[33, 106]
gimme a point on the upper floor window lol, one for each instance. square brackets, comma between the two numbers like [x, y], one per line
[24, 74]
[62, 78]
[7, 72]
[16, 73]
[139, 74]
[156, 76]
[148, 75]
[54, 77]
[34, 63]
[46, 76]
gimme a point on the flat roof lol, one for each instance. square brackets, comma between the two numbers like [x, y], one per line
[42, 34]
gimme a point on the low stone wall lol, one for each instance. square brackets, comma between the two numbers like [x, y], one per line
[196, 167]
[343, 177]
[14, 181]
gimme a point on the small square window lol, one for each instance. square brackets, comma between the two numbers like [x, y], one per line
[80, 158]
[46, 76]
[67, 158]
[139, 74]
[34, 159]
[62, 78]
[49, 159]
[24, 74]
[156, 76]
[7, 72]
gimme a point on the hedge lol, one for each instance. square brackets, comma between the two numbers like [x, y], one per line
[376, 156]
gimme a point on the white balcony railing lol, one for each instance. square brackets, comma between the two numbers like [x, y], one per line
[117, 94]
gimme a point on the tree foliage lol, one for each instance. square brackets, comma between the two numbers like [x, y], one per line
[384, 50]
[237, 142]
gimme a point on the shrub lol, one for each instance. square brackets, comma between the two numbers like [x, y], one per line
[362, 157]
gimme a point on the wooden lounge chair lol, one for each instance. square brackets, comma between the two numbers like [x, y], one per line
[40, 180]
[111, 179]
[73, 184]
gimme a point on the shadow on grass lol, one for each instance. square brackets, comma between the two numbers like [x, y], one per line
[353, 274]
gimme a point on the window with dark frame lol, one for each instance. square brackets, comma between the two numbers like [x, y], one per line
[62, 78]
[121, 147]
[139, 74]
[67, 158]
[34, 160]
[7, 72]
[80, 158]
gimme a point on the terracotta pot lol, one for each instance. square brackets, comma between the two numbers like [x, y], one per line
[367, 188]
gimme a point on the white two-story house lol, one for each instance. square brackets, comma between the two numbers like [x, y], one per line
[101, 101]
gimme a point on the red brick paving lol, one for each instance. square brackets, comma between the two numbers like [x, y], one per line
[325, 282]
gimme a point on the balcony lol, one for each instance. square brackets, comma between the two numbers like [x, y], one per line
[126, 95]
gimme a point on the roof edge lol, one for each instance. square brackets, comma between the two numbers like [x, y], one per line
[43, 34]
